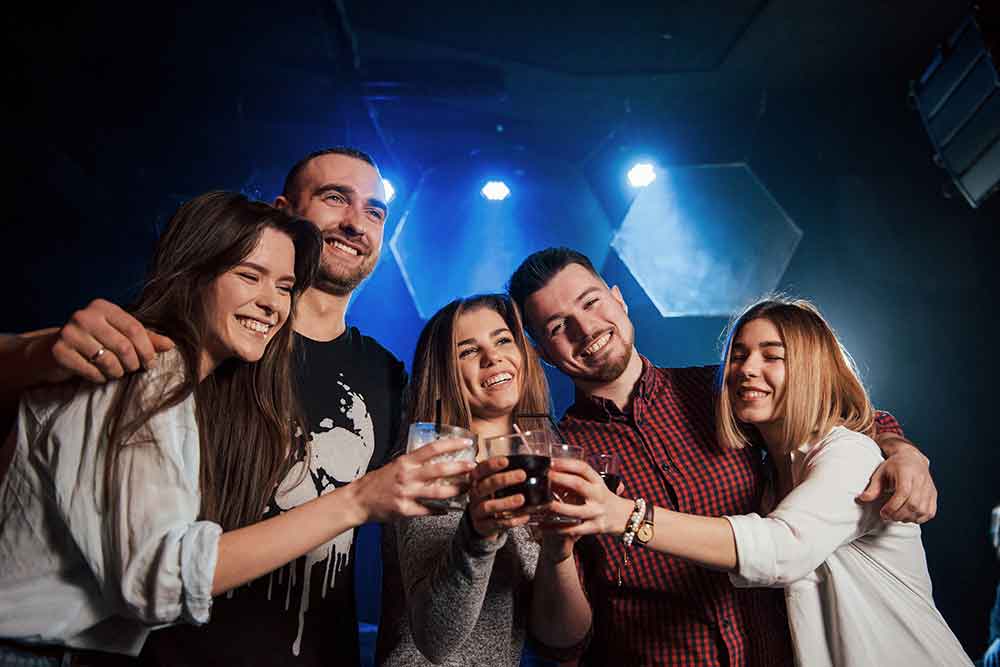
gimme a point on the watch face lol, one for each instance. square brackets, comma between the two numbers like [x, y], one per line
[645, 533]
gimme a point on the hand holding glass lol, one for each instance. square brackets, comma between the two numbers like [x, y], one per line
[609, 467]
[528, 451]
[424, 433]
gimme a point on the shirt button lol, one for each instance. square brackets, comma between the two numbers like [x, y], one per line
[666, 467]
[725, 623]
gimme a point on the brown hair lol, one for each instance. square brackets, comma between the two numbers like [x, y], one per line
[822, 387]
[435, 365]
[243, 452]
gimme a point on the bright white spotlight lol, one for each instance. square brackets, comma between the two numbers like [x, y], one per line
[495, 190]
[641, 175]
[390, 192]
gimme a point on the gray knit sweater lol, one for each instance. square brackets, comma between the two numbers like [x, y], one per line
[451, 598]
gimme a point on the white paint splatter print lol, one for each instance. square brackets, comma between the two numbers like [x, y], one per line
[339, 454]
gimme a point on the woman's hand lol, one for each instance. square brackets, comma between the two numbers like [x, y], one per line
[601, 512]
[487, 478]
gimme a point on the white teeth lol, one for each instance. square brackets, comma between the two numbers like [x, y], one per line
[254, 325]
[497, 379]
[752, 393]
[346, 248]
[597, 344]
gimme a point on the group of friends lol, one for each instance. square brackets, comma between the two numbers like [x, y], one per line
[182, 480]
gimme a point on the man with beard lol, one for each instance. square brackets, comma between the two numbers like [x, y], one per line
[651, 609]
[350, 387]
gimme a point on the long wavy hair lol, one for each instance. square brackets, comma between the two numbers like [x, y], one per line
[435, 365]
[822, 386]
[246, 412]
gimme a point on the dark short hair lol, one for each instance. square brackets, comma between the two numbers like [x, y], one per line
[538, 269]
[293, 173]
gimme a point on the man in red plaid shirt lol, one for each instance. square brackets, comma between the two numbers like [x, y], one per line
[652, 609]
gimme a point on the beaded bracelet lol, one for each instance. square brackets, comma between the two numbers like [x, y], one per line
[634, 519]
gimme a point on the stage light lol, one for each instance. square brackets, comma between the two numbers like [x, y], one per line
[390, 192]
[641, 174]
[495, 190]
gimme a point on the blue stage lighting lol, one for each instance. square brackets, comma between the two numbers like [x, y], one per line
[495, 190]
[641, 174]
[390, 192]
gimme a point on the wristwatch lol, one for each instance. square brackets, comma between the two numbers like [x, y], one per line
[645, 532]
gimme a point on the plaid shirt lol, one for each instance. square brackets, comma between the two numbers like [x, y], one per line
[660, 610]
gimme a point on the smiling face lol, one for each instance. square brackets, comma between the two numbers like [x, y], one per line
[345, 198]
[489, 363]
[581, 326]
[755, 377]
[247, 305]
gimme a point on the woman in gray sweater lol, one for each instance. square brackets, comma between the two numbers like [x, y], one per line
[468, 588]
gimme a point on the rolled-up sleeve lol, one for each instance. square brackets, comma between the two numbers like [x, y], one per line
[814, 519]
[151, 556]
[159, 556]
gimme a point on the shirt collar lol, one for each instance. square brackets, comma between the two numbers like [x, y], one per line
[603, 409]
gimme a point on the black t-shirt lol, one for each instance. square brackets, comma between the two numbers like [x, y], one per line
[304, 613]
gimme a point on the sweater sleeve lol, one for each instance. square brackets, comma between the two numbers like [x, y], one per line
[810, 523]
[446, 568]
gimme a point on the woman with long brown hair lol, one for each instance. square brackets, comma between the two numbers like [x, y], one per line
[129, 504]
[467, 588]
[857, 587]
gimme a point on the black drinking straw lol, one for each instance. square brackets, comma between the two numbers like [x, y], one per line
[437, 415]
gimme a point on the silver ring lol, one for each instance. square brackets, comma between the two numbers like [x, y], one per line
[97, 355]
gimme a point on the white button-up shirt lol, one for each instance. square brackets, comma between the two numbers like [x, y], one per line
[78, 571]
[857, 588]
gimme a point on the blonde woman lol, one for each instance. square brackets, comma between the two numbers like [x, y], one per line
[857, 588]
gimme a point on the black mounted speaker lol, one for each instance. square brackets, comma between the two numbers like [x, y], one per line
[958, 98]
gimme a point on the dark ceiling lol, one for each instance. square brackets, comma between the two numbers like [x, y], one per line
[121, 111]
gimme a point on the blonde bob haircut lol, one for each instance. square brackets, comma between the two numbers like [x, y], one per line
[435, 365]
[822, 387]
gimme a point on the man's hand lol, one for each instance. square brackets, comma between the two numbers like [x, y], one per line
[127, 345]
[394, 490]
[906, 475]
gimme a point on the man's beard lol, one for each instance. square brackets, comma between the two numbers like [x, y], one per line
[609, 371]
[341, 283]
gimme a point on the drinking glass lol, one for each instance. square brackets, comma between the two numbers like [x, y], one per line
[562, 450]
[528, 451]
[425, 433]
[609, 467]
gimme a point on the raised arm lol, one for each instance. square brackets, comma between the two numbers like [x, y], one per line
[561, 616]
[705, 540]
[147, 548]
[905, 475]
[814, 519]
[99, 343]
[389, 493]
[811, 522]
[446, 562]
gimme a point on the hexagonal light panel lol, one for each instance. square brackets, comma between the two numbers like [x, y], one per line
[453, 242]
[706, 240]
